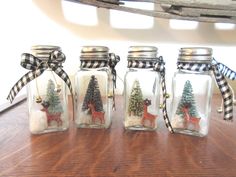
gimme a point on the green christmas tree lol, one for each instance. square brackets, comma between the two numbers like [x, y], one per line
[53, 99]
[93, 95]
[136, 100]
[187, 100]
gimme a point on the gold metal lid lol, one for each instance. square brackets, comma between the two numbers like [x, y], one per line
[142, 52]
[195, 55]
[43, 51]
[96, 52]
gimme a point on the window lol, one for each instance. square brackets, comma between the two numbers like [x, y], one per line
[79, 13]
[183, 25]
[224, 26]
[125, 20]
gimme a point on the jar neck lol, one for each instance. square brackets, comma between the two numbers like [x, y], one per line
[141, 69]
[193, 72]
[105, 58]
[93, 64]
[194, 67]
[142, 63]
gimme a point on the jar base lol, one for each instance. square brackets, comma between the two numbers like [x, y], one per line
[50, 131]
[188, 132]
[141, 128]
[95, 126]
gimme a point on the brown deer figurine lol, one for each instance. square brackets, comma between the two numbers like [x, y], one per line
[96, 114]
[189, 119]
[147, 116]
[51, 117]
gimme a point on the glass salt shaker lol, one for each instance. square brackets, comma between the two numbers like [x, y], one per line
[142, 89]
[192, 92]
[47, 95]
[94, 88]
[46, 89]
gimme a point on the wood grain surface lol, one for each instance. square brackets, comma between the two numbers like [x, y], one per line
[115, 152]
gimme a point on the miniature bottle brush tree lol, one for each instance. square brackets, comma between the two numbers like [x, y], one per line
[92, 101]
[187, 109]
[135, 107]
[52, 104]
[138, 115]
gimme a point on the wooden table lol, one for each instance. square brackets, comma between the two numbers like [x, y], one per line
[115, 152]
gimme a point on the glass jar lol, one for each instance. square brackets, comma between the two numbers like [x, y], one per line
[47, 95]
[142, 89]
[94, 88]
[192, 92]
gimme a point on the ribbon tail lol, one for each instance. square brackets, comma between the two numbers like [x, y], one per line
[160, 67]
[165, 115]
[113, 60]
[62, 74]
[114, 100]
[225, 70]
[114, 87]
[31, 75]
[226, 93]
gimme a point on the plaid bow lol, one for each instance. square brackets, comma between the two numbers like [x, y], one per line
[158, 66]
[37, 67]
[220, 80]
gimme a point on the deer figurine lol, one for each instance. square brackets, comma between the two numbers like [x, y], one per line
[147, 116]
[96, 114]
[51, 117]
[189, 119]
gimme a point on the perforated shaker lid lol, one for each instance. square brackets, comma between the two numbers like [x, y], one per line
[94, 52]
[195, 55]
[43, 51]
[142, 52]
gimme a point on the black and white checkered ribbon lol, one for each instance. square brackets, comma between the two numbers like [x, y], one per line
[37, 67]
[98, 63]
[159, 66]
[225, 70]
[220, 80]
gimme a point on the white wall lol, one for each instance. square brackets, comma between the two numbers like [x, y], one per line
[30, 22]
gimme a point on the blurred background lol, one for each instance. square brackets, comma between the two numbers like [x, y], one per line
[72, 25]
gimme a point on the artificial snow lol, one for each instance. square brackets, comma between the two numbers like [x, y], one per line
[133, 121]
[85, 118]
[177, 122]
[38, 121]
